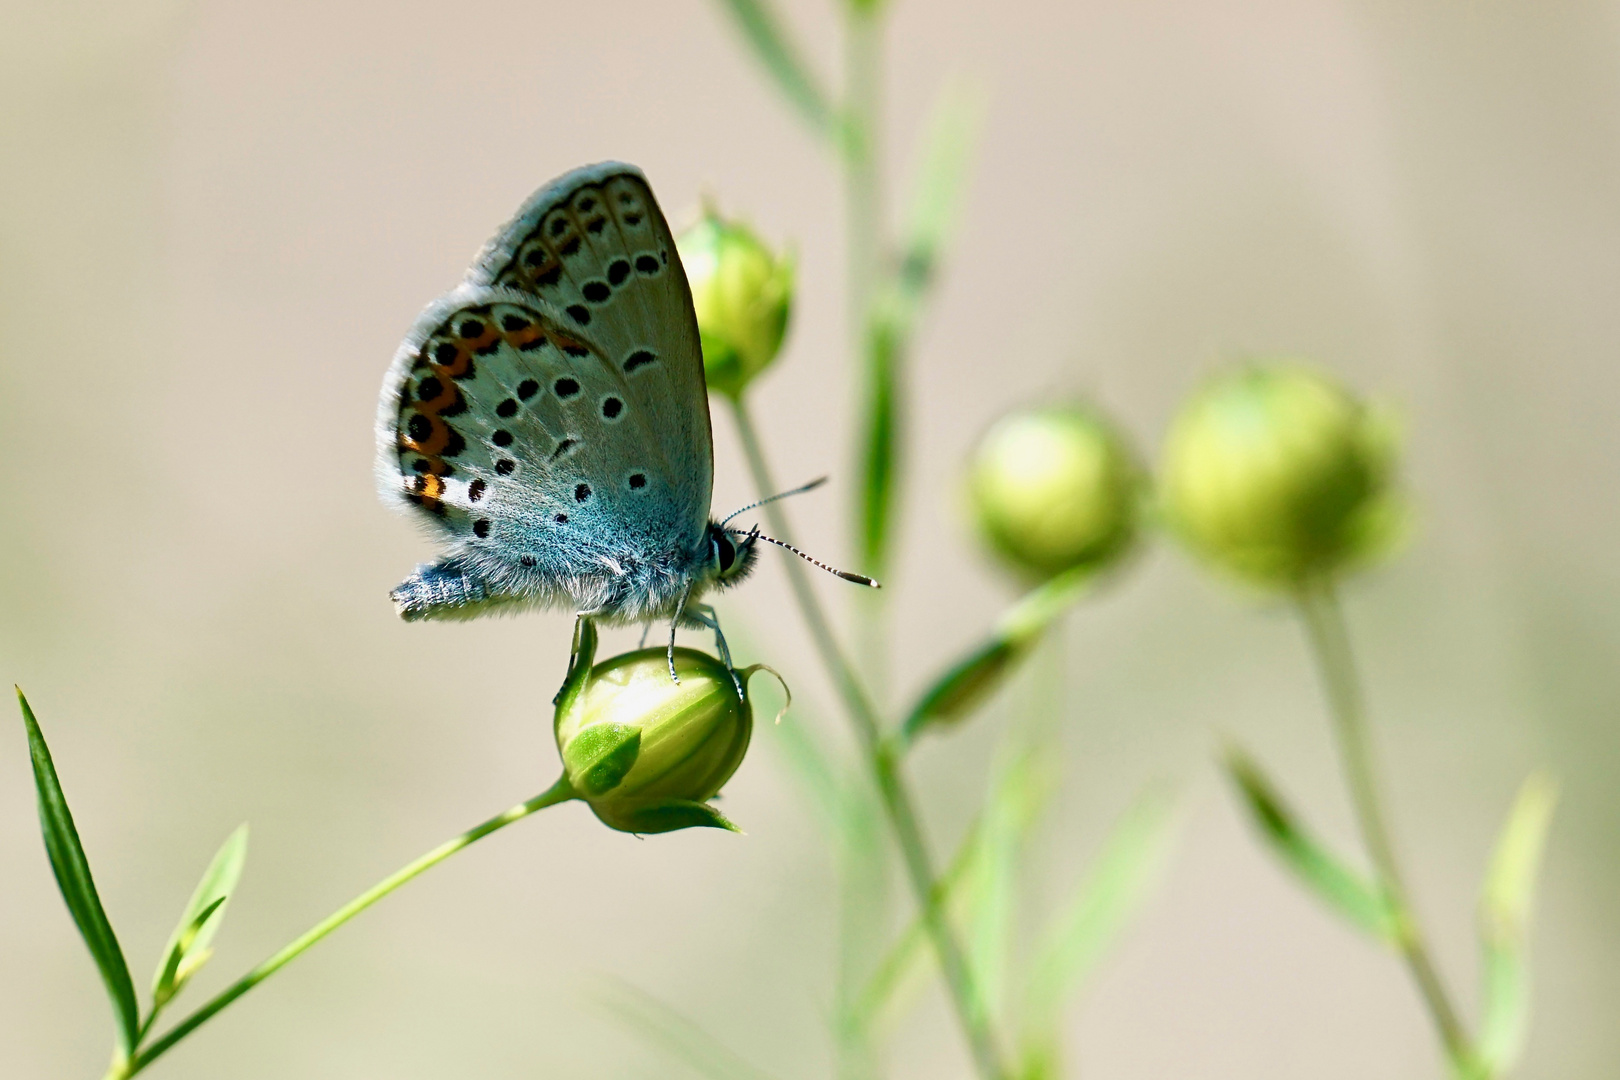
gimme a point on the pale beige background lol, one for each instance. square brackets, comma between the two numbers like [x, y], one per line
[217, 219]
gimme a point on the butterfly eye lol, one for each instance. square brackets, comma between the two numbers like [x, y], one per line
[725, 552]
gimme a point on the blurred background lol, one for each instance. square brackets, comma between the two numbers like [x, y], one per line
[218, 218]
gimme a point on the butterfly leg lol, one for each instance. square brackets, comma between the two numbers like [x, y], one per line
[680, 612]
[646, 628]
[704, 614]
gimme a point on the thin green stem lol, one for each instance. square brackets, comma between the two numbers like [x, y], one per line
[561, 791]
[1319, 608]
[886, 771]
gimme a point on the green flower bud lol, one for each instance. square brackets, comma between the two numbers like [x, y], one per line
[648, 753]
[1276, 473]
[1055, 488]
[743, 294]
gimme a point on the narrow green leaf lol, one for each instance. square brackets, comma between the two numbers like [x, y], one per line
[942, 172]
[976, 880]
[902, 970]
[189, 945]
[879, 447]
[675, 1034]
[762, 29]
[72, 871]
[1505, 906]
[1345, 891]
[809, 760]
[968, 683]
[1130, 865]
[1022, 788]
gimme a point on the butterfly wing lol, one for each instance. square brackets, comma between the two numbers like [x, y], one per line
[549, 419]
[534, 453]
[594, 244]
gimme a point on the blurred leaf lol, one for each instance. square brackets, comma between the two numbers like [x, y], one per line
[1504, 923]
[72, 871]
[798, 736]
[1344, 890]
[681, 1038]
[911, 957]
[936, 200]
[942, 172]
[975, 882]
[188, 948]
[809, 760]
[763, 30]
[1131, 863]
[1023, 787]
[969, 682]
[864, 922]
[879, 450]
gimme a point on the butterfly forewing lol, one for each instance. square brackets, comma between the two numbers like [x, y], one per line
[549, 417]
[595, 245]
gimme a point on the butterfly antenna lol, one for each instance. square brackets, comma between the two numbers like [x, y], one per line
[859, 579]
[811, 486]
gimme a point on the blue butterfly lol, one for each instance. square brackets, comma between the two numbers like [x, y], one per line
[548, 419]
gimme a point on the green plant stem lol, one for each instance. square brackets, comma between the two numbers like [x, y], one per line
[561, 791]
[1319, 608]
[886, 771]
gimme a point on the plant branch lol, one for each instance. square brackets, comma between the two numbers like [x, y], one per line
[1330, 643]
[885, 766]
[559, 792]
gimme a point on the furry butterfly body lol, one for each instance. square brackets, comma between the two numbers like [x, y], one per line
[548, 421]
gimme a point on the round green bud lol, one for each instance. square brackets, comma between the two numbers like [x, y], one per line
[1055, 488]
[646, 752]
[1278, 474]
[743, 294]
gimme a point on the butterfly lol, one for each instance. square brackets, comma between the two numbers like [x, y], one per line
[548, 420]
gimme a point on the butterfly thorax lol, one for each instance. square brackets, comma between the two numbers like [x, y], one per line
[665, 586]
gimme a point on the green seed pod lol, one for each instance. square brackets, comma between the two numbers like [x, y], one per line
[1278, 474]
[646, 752]
[742, 293]
[1055, 488]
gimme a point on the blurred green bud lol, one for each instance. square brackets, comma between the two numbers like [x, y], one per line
[1276, 473]
[648, 753]
[1055, 488]
[743, 294]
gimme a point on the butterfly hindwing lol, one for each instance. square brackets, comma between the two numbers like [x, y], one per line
[513, 432]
